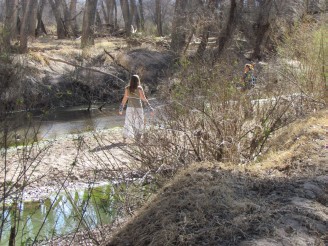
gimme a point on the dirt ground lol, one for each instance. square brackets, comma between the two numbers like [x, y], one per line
[281, 199]
[72, 161]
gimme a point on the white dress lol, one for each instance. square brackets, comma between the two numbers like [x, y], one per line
[134, 118]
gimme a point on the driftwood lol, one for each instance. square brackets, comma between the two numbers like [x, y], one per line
[116, 62]
[88, 68]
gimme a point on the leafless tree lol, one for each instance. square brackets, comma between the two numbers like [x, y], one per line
[126, 16]
[61, 28]
[33, 19]
[40, 25]
[135, 14]
[263, 26]
[226, 32]
[10, 22]
[208, 23]
[104, 11]
[25, 25]
[142, 18]
[159, 18]
[179, 31]
[73, 15]
[111, 13]
[89, 16]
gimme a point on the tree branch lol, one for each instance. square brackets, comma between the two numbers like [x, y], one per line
[88, 68]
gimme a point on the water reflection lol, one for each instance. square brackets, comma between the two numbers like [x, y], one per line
[64, 213]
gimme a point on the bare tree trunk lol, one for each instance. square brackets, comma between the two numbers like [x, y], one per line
[142, 17]
[134, 14]
[115, 15]
[73, 15]
[98, 19]
[179, 31]
[126, 16]
[158, 14]
[89, 16]
[33, 19]
[225, 35]
[209, 19]
[263, 27]
[61, 29]
[40, 26]
[111, 5]
[251, 5]
[25, 26]
[10, 23]
[67, 17]
[104, 11]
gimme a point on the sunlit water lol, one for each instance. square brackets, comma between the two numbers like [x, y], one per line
[64, 213]
[62, 121]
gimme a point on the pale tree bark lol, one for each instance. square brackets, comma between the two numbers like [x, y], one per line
[251, 5]
[33, 19]
[126, 16]
[89, 16]
[105, 13]
[24, 30]
[40, 28]
[70, 15]
[61, 29]
[73, 14]
[115, 15]
[67, 17]
[158, 14]
[134, 14]
[2, 11]
[142, 16]
[179, 31]
[209, 20]
[98, 22]
[111, 13]
[10, 24]
[226, 33]
[263, 27]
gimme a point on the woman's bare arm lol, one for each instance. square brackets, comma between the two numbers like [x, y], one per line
[124, 100]
[143, 97]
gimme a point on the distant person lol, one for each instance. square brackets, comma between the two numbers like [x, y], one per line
[248, 79]
[134, 118]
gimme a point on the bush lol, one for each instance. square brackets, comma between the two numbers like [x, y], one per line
[206, 118]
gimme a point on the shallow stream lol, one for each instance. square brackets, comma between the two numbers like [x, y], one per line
[64, 213]
[62, 121]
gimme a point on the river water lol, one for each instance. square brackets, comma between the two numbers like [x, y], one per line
[60, 214]
[62, 121]
[66, 212]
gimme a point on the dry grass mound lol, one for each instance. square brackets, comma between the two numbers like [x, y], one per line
[278, 201]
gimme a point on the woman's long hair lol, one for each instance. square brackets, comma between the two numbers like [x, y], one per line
[134, 83]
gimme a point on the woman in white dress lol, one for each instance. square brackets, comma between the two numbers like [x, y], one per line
[134, 118]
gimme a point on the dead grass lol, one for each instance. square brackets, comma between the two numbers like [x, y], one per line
[297, 141]
[216, 204]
